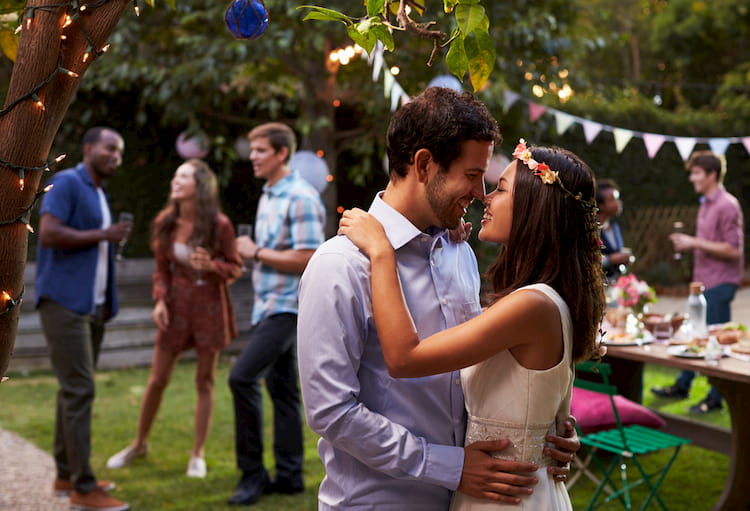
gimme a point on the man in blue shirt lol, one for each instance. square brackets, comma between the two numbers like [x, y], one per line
[288, 229]
[75, 295]
[390, 443]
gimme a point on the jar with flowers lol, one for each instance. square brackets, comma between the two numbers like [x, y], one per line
[635, 295]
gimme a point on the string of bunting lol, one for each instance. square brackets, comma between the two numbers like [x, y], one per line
[652, 141]
[563, 121]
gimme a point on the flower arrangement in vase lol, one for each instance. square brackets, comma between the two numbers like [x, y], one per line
[634, 294]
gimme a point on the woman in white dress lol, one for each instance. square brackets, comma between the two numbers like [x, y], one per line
[517, 357]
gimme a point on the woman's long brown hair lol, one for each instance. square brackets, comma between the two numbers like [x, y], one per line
[554, 239]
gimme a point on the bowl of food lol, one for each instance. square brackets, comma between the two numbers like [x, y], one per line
[651, 319]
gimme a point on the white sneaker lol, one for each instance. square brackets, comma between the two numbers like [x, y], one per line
[126, 456]
[196, 467]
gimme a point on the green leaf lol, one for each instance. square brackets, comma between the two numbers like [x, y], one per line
[366, 41]
[9, 44]
[321, 13]
[469, 17]
[384, 34]
[375, 7]
[456, 60]
[480, 52]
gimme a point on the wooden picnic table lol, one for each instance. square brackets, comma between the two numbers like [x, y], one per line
[732, 378]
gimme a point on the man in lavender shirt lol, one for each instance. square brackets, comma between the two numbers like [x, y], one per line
[718, 258]
[390, 443]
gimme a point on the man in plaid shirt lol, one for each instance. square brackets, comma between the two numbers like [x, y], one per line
[288, 228]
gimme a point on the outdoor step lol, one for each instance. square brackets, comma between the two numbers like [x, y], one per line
[130, 336]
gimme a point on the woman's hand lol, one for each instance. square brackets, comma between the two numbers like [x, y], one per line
[364, 231]
[160, 315]
[200, 260]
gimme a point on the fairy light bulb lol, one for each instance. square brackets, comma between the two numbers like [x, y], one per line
[136, 8]
[6, 297]
[60, 158]
[68, 72]
[21, 179]
[37, 101]
[87, 53]
[68, 21]
[47, 188]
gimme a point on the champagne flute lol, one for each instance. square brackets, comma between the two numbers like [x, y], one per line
[196, 243]
[244, 230]
[677, 227]
[128, 218]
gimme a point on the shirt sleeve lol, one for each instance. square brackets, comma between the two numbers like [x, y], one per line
[59, 200]
[227, 259]
[730, 226]
[162, 278]
[307, 220]
[334, 298]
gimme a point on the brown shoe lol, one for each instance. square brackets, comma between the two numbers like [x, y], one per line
[97, 500]
[63, 487]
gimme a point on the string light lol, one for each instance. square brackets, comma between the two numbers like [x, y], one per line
[136, 8]
[37, 101]
[9, 303]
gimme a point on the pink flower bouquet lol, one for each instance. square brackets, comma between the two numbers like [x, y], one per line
[634, 293]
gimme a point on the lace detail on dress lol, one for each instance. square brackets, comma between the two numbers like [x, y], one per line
[526, 441]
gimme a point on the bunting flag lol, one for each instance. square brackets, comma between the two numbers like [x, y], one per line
[391, 88]
[652, 141]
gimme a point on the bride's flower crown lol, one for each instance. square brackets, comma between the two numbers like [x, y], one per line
[546, 174]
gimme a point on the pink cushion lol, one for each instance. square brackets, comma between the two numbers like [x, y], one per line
[593, 411]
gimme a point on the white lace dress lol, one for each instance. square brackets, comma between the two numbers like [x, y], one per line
[506, 400]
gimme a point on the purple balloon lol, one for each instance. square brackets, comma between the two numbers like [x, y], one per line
[247, 19]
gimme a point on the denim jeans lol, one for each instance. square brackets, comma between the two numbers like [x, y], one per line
[719, 310]
[270, 354]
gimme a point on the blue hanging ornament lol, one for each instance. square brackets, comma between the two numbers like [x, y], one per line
[247, 19]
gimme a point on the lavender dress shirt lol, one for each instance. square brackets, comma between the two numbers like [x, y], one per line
[386, 443]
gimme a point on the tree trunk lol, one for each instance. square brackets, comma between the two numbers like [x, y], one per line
[28, 130]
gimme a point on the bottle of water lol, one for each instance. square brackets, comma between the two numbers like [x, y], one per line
[696, 308]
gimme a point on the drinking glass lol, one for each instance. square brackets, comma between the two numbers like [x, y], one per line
[126, 217]
[245, 230]
[199, 281]
[663, 331]
[677, 227]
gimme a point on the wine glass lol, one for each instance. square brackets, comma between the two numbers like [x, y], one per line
[677, 227]
[194, 244]
[244, 230]
[128, 218]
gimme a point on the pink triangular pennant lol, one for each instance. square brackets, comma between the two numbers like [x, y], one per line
[535, 111]
[746, 143]
[653, 143]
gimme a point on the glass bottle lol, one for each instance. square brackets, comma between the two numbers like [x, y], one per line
[713, 351]
[696, 308]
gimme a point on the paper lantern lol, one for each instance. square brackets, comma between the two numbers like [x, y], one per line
[246, 19]
[311, 167]
[447, 81]
[196, 146]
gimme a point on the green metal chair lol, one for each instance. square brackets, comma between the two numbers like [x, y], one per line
[625, 444]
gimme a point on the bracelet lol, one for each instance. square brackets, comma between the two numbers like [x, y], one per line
[255, 255]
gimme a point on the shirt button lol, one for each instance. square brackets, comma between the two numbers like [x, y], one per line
[458, 381]
[445, 301]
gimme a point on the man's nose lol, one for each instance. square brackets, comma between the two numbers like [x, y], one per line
[479, 191]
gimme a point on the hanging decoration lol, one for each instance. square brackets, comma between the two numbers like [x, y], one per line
[247, 19]
[653, 142]
[196, 146]
[312, 168]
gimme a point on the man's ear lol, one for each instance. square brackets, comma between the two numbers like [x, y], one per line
[423, 162]
[284, 153]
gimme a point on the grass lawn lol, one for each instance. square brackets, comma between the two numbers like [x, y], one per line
[159, 483]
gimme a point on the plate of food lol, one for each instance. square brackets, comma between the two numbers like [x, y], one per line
[691, 351]
[621, 338]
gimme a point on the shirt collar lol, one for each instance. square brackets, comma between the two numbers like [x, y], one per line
[84, 174]
[279, 186]
[398, 228]
[711, 198]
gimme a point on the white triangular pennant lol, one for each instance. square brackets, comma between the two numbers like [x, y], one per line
[563, 121]
[622, 137]
[653, 143]
[377, 61]
[396, 94]
[590, 130]
[509, 97]
[685, 146]
[719, 145]
[388, 82]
